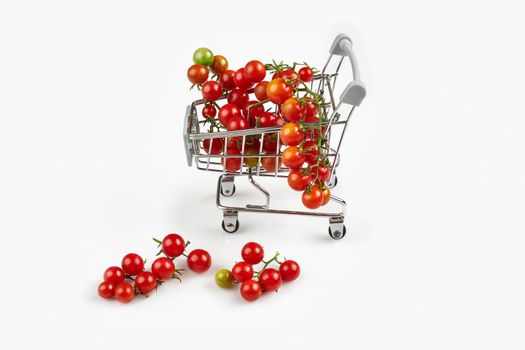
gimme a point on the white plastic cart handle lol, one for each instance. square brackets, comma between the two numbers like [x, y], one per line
[355, 91]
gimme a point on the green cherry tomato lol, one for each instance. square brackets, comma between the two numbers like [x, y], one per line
[223, 278]
[203, 56]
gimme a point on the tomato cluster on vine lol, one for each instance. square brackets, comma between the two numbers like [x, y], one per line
[292, 105]
[131, 278]
[254, 283]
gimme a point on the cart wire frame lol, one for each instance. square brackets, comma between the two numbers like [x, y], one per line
[323, 83]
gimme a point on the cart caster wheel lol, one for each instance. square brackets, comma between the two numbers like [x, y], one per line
[227, 192]
[230, 228]
[333, 182]
[337, 234]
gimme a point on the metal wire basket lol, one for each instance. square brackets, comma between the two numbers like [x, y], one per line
[338, 114]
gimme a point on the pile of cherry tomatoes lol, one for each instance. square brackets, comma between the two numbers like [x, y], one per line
[284, 100]
[254, 283]
[131, 279]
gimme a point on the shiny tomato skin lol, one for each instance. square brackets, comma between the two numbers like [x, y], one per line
[219, 64]
[250, 290]
[289, 270]
[145, 282]
[209, 111]
[326, 195]
[238, 97]
[241, 81]
[252, 253]
[132, 264]
[271, 164]
[267, 119]
[197, 74]
[226, 79]
[292, 110]
[306, 74]
[298, 181]
[124, 292]
[242, 271]
[237, 123]
[163, 268]
[270, 279]
[312, 198]
[106, 290]
[292, 157]
[199, 260]
[228, 111]
[260, 91]
[278, 91]
[114, 275]
[321, 175]
[291, 134]
[291, 77]
[254, 71]
[252, 113]
[217, 146]
[173, 245]
[211, 91]
[310, 151]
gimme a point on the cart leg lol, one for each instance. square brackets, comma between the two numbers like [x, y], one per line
[227, 185]
[230, 221]
[337, 229]
[332, 181]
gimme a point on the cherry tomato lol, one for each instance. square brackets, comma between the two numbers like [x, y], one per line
[234, 143]
[242, 271]
[267, 119]
[238, 97]
[292, 110]
[132, 264]
[241, 81]
[276, 74]
[197, 74]
[271, 164]
[326, 194]
[279, 121]
[306, 74]
[106, 290]
[217, 146]
[226, 79]
[211, 90]
[228, 111]
[173, 244]
[270, 280]
[114, 275]
[278, 91]
[253, 142]
[209, 111]
[250, 290]
[310, 151]
[251, 162]
[321, 175]
[163, 268]
[124, 292]
[298, 180]
[289, 270]
[203, 56]
[292, 157]
[145, 282]
[260, 91]
[311, 111]
[252, 253]
[254, 71]
[270, 143]
[237, 123]
[252, 113]
[291, 77]
[223, 278]
[199, 260]
[291, 134]
[219, 64]
[312, 198]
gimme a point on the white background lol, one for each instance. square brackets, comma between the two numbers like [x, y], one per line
[92, 96]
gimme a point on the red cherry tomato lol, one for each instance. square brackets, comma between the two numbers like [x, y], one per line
[238, 97]
[242, 271]
[310, 151]
[132, 264]
[278, 91]
[270, 280]
[306, 74]
[291, 77]
[321, 175]
[163, 268]
[199, 260]
[292, 157]
[209, 111]
[250, 290]
[106, 290]
[267, 119]
[270, 143]
[114, 275]
[271, 164]
[217, 146]
[291, 134]
[260, 91]
[298, 180]
[219, 64]
[173, 244]
[289, 270]
[124, 292]
[326, 195]
[145, 282]
[292, 110]
[311, 111]
[312, 198]
[252, 253]
[197, 74]
[252, 113]
[241, 81]
[226, 80]
[254, 71]
[237, 123]
[211, 90]
[228, 111]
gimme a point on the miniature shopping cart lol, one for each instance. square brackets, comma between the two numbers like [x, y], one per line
[337, 112]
